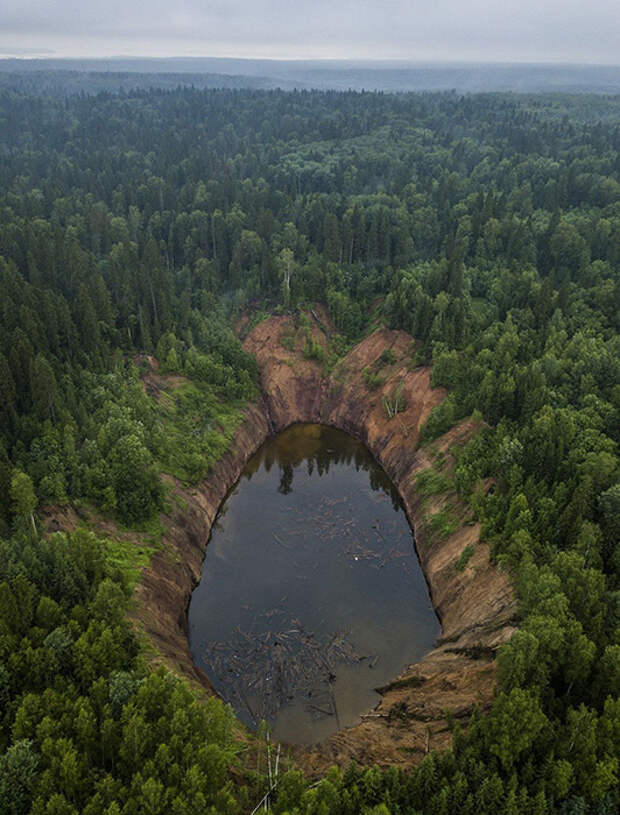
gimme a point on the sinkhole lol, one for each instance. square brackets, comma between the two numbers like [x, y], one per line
[311, 593]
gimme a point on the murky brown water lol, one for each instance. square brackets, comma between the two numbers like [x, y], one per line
[311, 593]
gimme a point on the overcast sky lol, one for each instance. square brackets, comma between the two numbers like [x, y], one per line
[446, 30]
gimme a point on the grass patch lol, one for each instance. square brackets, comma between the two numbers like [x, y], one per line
[429, 482]
[195, 429]
[336, 351]
[443, 523]
[440, 461]
[152, 531]
[129, 557]
[441, 419]
[180, 502]
[313, 350]
[288, 338]
[463, 560]
[372, 378]
[372, 374]
[388, 357]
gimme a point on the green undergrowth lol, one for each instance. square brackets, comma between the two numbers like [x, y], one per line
[196, 427]
[443, 523]
[130, 550]
[429, 482]
[464, 558]
[374, 375]
[129, 557]
[337, 349]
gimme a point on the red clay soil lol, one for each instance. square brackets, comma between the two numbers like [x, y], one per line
[475, 605]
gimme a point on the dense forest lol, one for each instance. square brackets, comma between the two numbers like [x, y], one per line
[142, 223]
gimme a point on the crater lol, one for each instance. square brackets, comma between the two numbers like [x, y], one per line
[473, 599]
[311, 593]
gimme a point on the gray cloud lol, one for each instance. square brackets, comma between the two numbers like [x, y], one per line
[504, 30]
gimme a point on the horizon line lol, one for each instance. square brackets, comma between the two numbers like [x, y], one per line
[344, 60]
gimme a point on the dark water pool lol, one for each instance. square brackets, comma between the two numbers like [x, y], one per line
[311, 593]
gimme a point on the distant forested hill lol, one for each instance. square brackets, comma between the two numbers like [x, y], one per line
[91, 75]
